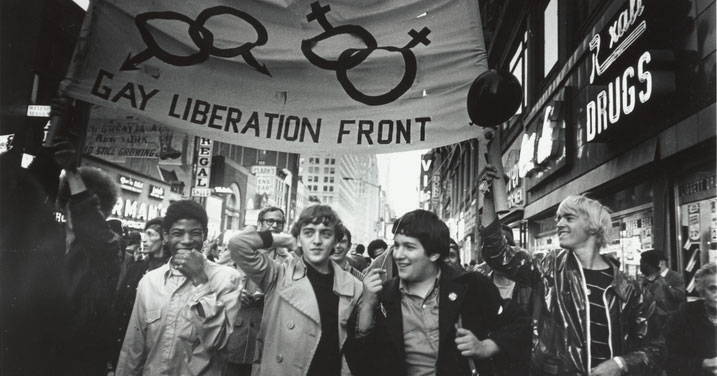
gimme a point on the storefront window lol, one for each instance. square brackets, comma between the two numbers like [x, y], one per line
[697, 223]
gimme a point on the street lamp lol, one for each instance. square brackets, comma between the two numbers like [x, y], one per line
[377, 186]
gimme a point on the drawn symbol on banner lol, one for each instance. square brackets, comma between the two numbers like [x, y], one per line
[352, 57]
[200, 35]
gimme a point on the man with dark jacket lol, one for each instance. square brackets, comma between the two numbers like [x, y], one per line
[433, 319]
[590, 318]
[91, 264]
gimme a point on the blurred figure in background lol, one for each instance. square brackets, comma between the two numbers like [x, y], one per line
[454, 254]
[357, 258]
[667, 298]
[155, 255]
[340, 257]
[692, 331]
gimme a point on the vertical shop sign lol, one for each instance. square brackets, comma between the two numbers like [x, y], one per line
[203, 168]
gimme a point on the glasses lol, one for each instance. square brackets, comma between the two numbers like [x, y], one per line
[272, 222]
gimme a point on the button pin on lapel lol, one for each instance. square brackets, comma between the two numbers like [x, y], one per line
[452, 296]
[383, 310]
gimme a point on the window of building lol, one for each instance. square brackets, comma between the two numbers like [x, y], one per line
[550, 36]
[519, 67]
[326, 170]
[333, 160]
[331, 179]
[326, 188]
[326, 179]
[327, 161]
[332, 170]
[331, 188]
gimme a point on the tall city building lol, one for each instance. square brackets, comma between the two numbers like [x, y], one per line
[349, 183]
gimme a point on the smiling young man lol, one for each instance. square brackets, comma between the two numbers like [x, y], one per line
[589, 318]
[340, 256]
[307, 300]
[185, 309]
[432, 319]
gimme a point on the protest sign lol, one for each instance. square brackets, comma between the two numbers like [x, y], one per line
[299, 76]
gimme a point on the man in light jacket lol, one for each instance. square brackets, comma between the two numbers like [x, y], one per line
[307, 301]
[185, 309]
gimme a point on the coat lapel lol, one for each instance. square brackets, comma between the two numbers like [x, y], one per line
[391, 305]
[451, 295]
[298, 293]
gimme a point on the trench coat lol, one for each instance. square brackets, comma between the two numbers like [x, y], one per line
[291, 324]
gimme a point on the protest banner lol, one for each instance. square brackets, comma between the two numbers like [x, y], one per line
[298, 76]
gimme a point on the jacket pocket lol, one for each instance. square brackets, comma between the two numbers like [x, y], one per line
[152, 315]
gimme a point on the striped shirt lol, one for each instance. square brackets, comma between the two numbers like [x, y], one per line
[597, 281]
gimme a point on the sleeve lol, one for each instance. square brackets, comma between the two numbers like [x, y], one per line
[361, 350]
[509, 325]
[132, 356]
[646, 348]
[220, 308]
[515, 263]
[681, 359]
[257, 266]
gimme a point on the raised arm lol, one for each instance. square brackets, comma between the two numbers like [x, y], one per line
[258, 266]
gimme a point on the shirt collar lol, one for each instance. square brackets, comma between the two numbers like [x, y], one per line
[169, 271]
[436, 283]
[664, 272]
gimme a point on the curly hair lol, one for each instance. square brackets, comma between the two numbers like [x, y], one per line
[185, 209]
[97, 182]
[596, 214]
[702, 277]
[375, 245]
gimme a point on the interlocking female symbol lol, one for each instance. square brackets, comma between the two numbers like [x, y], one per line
[352, 57]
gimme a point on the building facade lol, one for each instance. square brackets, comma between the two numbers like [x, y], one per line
[618, 104]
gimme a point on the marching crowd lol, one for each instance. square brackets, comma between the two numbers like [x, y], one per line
[265, 301]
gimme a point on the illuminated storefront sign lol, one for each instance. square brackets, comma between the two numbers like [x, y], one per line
[621, 89]
[130, 184]
[156, 191]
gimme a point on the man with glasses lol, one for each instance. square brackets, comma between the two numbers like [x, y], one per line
[242, 340]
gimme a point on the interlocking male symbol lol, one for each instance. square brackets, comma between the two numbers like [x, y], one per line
[352, 57]
[201, 36]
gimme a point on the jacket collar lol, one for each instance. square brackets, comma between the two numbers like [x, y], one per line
[298, 291]
[453, 286]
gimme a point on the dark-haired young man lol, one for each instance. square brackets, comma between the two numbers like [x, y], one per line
[185, 309]
[156, 256]
[340, 255]
[307, 301]
[432, 319]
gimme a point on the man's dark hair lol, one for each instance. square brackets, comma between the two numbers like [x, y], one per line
[97, 182]
[154, 222]
[360, 249]
[260, 217]
[651, 257]
[374, 245]
[347, 235]
[427, 228]
[316, 214]
[185, 209]
[133, 238]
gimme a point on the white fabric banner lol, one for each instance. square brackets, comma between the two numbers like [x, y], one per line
[352, 76]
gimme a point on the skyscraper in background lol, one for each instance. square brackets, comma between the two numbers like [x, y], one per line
[349, 183]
